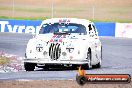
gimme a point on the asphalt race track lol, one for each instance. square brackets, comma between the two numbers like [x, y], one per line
[117, 58]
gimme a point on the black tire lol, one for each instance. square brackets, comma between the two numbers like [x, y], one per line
[99, 64]
[75, 67]
[29, 66]
[101, 53]
[89, 56]
[46, 68]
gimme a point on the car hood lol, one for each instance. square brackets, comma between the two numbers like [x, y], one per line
[59, 38]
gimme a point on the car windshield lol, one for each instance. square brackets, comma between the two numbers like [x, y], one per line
[62, 28]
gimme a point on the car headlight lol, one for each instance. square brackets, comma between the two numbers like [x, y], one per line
[39, 47]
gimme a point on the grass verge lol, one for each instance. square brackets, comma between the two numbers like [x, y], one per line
[43, 18]
[22, 18]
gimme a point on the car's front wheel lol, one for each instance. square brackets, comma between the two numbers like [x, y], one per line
[29, 66]
[46, 67]
[99, 64]
[89, 57]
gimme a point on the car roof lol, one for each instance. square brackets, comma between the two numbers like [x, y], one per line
[68, 20]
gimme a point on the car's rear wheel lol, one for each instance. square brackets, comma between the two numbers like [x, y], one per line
[29, 66]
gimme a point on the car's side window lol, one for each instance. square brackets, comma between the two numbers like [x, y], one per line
[92, 31]
[95, 30]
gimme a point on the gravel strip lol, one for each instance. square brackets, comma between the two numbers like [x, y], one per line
[56, 84]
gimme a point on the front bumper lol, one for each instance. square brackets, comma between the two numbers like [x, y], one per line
[40, 61]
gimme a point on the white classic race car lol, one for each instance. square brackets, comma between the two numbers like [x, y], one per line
[68, 42]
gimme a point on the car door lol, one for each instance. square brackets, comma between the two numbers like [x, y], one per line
[95, 43]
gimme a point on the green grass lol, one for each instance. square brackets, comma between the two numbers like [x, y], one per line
[26, 9]
[64, 11]
[40, 10]
[23, 18]
[43, 18]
